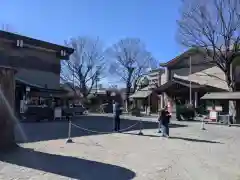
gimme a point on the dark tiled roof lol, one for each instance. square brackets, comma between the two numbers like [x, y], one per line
[177, 59]
[222, 96]
[182, 82]
[35, 42]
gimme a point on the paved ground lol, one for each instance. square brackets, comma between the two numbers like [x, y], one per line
[191, 154]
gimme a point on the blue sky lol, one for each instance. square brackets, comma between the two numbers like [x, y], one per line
[153, 21]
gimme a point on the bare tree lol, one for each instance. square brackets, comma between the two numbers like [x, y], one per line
[130, 60]
[213, 26]
[86, 65]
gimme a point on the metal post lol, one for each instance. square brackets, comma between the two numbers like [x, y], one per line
[229, 123]
[190, 81]
[149, 105]
[97, 78]
[140, 128]
[149, 88]
[96, 91]
[73, 74]
[203, 125]
[69, 140]
[195, 99]
[159, 126]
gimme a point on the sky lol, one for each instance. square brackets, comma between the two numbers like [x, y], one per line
[153, 21]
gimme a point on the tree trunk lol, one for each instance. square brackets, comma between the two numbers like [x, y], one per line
[232, 107]
[230, 79]
[128, 91]
[7, 115]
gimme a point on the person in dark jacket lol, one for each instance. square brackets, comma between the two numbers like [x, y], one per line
[116, 115]
[165, 120]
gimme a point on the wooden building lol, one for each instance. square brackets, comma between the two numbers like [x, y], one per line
[37, 66]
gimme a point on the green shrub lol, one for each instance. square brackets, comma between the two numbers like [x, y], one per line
[186, 111]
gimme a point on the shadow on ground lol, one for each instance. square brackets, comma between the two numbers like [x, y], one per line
[43, 131]
[179, 138]
[196, 140]
[70, 167]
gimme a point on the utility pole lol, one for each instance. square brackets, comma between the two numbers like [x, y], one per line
[190, 81]
[97, 79]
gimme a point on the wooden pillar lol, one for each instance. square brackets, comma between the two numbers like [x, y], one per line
[7, 113]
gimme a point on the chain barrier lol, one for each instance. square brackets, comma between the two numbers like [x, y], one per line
[103, 132]
[69, 140]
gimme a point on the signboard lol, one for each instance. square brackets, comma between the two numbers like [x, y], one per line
[213, 115]
[28, 89]
[113, 94]
[218, 108]
[169, 107]
[22, 106]
[57, 112]
[209, 108]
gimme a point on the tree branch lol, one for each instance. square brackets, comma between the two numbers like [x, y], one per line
[85, 65]
[215, 26]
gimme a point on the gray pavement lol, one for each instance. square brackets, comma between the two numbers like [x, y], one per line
[190, 153]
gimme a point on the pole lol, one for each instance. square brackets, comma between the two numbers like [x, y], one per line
[97, 79]
[195, 99]
[69, 140]
[190, 81]
[73, 77]
[74, 95]
[229, 123]
[96, 86]
[149, 105]
[159, 126]
[203, 125]
[149, 88]
[140, 128]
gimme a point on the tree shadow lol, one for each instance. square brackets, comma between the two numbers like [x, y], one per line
[70, 167]
[96, 125]
[195, 140]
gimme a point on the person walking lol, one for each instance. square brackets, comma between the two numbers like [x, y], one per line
[116, 115]
[165, 120]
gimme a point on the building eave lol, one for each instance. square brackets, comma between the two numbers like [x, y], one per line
[182, 56]
[31, 42]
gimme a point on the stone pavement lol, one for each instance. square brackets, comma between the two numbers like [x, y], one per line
[191, 154]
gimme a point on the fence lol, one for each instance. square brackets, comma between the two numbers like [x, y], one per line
[71, 124]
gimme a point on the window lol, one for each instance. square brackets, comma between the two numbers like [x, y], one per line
[63, 53]
[19, 43]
